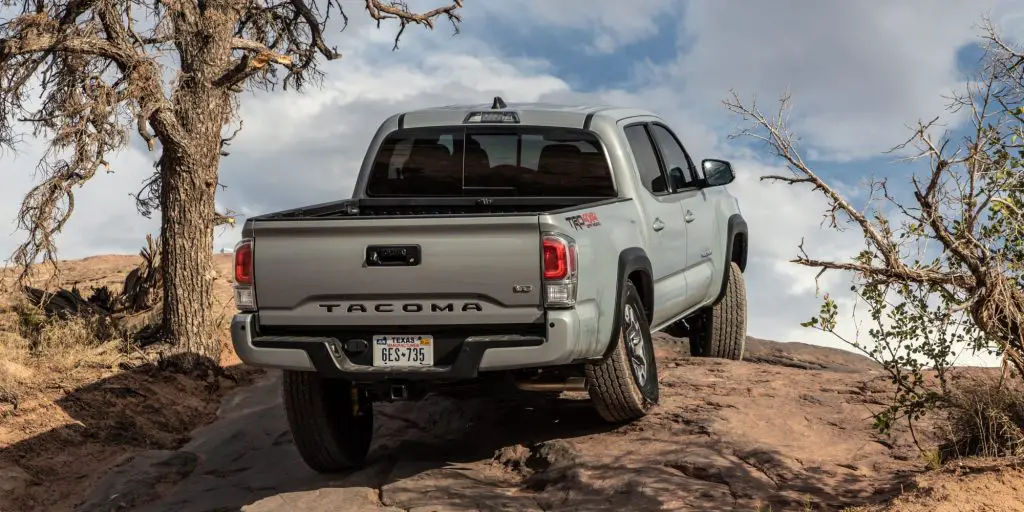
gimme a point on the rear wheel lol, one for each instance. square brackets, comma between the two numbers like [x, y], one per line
[330, 419]
[624, 386]
[721, 330]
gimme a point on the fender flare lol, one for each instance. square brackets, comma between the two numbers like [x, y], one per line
[736, 226]
[630, 260]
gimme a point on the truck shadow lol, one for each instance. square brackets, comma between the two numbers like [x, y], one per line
[500, 452]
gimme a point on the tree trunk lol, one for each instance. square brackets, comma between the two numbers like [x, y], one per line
[187, 255]
[189, 177]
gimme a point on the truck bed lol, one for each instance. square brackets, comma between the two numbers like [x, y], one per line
[435, 206]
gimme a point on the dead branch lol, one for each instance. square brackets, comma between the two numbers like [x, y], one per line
[141, 288]
[399, 10]
[780, 140]
[62, 303]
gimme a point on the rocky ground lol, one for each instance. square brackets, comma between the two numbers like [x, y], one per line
[787, 429]
[727, 436]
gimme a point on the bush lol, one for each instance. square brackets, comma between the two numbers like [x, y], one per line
[983, 417]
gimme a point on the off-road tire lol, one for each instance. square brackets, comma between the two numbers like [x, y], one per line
[619, 393]
[331, 434]
[720, 330]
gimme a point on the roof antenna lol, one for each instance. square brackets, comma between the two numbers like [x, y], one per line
[498, 103]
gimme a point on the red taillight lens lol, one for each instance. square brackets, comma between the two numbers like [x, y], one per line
[556, 259]
[243, 262]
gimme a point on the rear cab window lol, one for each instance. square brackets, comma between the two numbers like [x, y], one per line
[458, 161]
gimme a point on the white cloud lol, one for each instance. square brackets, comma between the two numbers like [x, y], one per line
[610, 24]
[859, 72]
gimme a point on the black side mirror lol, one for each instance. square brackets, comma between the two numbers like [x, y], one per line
[717, 172]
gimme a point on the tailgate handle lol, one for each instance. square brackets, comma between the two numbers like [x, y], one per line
[392, 255]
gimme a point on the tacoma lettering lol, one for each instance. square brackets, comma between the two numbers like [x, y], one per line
[410, 307]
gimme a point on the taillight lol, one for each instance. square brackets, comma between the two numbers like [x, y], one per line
[559, 270]
[243, 262]
[245, 295]
[556, 259]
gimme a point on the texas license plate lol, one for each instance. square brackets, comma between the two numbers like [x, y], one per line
[399, 351]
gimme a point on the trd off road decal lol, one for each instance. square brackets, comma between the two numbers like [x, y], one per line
[584, 220]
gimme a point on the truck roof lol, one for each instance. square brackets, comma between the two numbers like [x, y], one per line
[537, 114]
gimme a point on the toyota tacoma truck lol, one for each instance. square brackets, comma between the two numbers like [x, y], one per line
[541, 244]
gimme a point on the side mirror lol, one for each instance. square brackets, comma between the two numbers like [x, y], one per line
[717, 172]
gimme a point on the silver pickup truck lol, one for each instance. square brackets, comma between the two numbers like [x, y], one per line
[540, 244]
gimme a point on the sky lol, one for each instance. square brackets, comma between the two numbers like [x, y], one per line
[860, 73]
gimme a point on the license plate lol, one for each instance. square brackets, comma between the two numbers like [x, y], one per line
[403, 351]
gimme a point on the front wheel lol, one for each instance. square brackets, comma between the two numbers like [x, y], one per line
[624, 386]
[721, 330]
[330, 419]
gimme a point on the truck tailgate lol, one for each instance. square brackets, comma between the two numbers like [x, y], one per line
[470, 270]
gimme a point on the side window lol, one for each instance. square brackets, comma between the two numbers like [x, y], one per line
[678, 163]
[646, 159]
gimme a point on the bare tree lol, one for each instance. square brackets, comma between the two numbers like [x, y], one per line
[84, 73]
[953, 245]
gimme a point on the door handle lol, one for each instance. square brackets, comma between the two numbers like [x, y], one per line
[658, 225]
[689, 217]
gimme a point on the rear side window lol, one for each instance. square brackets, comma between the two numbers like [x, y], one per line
[646, 159]
[491, 161]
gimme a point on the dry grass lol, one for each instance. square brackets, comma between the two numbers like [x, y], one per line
[984, 417]
[14, 373]
[36, 351]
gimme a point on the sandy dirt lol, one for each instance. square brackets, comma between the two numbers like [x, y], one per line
[969, 486]
[787, 429]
